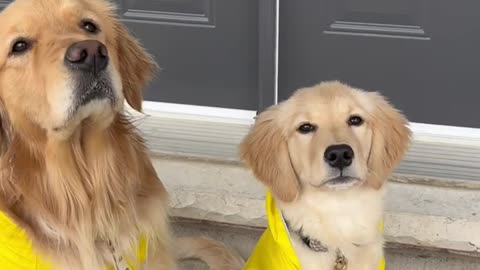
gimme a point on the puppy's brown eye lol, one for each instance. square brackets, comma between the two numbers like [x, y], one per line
[355, 120]
[89, 26]
[306, 128]
[20, 46]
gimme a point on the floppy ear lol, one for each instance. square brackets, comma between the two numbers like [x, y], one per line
[390, 140]
[265, 151]
[136, 66]
[6, 132]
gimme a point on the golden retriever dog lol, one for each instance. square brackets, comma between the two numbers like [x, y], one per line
[325, 154]
[76, 178]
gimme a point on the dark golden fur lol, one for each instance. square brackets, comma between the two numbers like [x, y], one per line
[74, 183]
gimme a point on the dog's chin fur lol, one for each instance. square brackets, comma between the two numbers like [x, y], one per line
[340, 183]
[97, 114]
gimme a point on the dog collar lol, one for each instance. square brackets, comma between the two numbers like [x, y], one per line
[316, 245]
[118, 261]
[313, 244]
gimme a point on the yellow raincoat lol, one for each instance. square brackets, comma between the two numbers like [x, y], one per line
[274, 250]
[16, 251]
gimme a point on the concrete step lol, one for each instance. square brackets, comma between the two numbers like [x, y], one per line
[243, 240]
[417, 216]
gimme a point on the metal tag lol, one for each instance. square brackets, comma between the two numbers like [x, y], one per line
[341, 262]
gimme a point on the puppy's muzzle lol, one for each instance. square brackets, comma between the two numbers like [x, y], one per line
[339, 156]
[89, 56]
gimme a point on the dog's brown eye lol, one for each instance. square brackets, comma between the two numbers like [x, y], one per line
[89, 26]
[20, 46]
[355, 120]
[306, 128]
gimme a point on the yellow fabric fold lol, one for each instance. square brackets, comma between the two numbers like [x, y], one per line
[16, 250]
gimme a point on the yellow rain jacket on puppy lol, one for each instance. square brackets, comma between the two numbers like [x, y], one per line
[16, 251]
[274, 250]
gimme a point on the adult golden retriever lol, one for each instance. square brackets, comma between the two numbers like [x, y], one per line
[325, 155]
[74, 172]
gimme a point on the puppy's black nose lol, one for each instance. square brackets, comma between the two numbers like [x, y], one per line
[339, 156]
[87, 55]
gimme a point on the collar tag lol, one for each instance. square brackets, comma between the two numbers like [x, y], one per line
[341, 262]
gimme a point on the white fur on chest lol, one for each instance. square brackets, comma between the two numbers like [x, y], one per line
[347, 220]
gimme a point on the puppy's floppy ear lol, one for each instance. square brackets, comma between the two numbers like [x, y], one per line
[265, 151]
[390, 140]
[136, 66]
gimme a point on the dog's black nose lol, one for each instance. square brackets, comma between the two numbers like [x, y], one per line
[87, 55]
[339, 156]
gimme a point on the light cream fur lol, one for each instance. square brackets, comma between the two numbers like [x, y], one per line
[292, 166]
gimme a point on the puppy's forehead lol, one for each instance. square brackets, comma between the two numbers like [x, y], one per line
[325, 98]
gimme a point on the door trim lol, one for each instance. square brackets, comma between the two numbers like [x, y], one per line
[268, 53]
[227, 115]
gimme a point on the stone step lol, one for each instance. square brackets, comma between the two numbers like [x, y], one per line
[417, 216]
[243, 240]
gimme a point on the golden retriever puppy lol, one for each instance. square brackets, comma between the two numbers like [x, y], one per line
[325, 154]
[77, 188]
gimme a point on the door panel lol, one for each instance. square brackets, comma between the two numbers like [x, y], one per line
[175, 12]
[4, 3]
[422, 54]
[207, 49]
[400, 19]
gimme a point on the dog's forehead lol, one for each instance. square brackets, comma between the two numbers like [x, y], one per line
[48, 11]
[329, 97]
[27, 13]
[49, 4]
[329, 103]
[32, 18]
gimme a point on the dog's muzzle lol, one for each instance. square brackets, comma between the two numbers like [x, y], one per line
[88, 61]
[89, 56]
[340, 157]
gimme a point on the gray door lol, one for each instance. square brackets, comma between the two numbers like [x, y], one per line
[423, 54]
[4, 3]
[212, 52]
